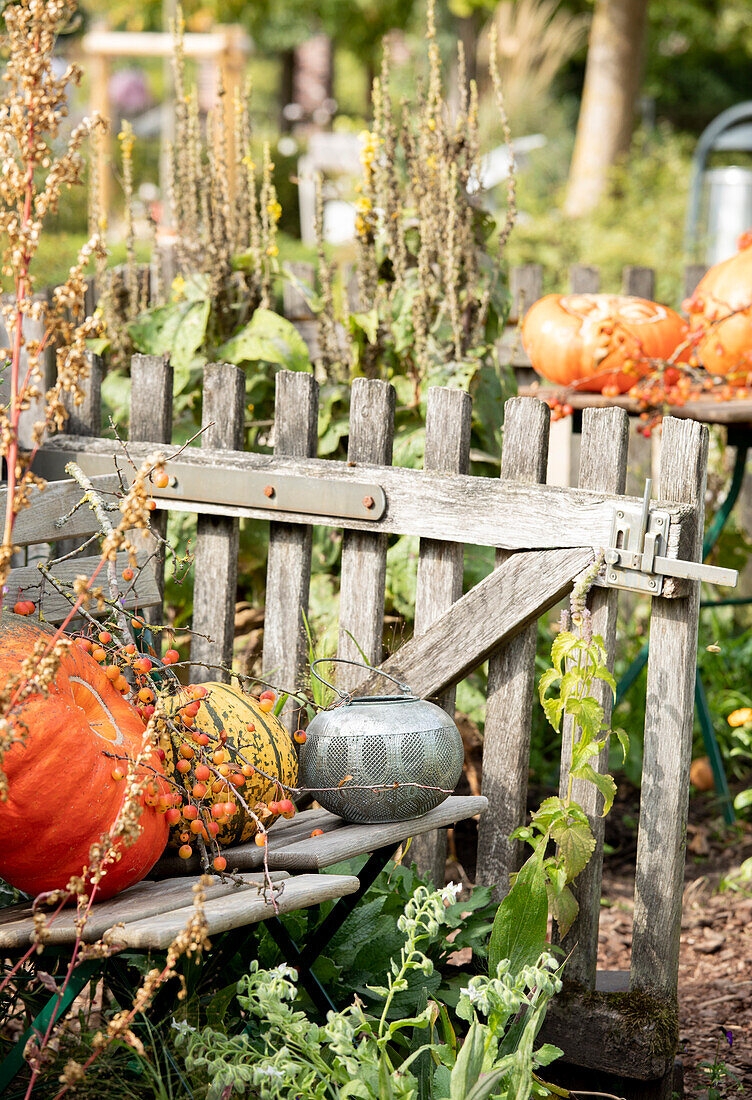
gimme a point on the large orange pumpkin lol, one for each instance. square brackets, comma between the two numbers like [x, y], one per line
[720, 312]
[599, 342]
[62, 797]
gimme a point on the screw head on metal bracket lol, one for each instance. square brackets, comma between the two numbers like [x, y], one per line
[368, 502]
[268, 490]
[611, 557]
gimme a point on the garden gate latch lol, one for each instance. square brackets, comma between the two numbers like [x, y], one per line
[635, 558]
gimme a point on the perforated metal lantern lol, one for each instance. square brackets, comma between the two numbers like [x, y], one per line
[404, 754]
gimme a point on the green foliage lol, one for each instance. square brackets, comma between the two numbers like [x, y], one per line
[371, 936]
[578, 661]
[624, 229]
[375, 1055]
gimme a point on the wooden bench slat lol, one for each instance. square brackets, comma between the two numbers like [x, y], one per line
[297, 828]
[344, 841]
[236, 910]
[143, 590]
[145, 899]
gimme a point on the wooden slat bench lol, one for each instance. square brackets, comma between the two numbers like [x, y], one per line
[148, 916]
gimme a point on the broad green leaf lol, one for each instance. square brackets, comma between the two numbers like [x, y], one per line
[563, 644]
[553, 709]
[604, 783]
[623, 738]
[588, 714]
[576, 844]
[267, 338]
[547, 1054]
[98, 344]
[564, 908]
[177, 329]
[519, 931]
[549, 677]
[367, 322]
[386, 1090]
[607, 676]
[469, 1063]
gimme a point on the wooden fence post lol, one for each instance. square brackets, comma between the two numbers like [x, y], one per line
[525, 287]
[603, 467]
[506, 744]
[151, 421]
[639, 281]
[440, 568]
[584, 279]
[692, 275]
[288, 571]
[363, 575]
[215, 569]
[86, 418]
[669, 712]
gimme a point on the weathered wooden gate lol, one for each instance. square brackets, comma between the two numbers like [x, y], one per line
[544, 537]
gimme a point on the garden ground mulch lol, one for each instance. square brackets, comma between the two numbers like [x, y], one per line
[715, 961]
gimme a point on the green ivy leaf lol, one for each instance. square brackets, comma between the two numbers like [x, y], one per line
[588, 714]
[553, 709]
[604, 783]
[564, 908]
[623, 738]
[603, 673]
[563, 644]
[576, 845]
[549, 677]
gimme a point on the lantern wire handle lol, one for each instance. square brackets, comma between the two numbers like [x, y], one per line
[345, 696]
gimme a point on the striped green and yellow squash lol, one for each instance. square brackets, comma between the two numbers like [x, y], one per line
[253, 737]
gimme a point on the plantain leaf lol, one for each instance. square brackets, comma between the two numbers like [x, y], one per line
[519, 931]
[469, 1064]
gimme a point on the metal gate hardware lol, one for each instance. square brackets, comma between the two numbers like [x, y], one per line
[635, 558]
[270, 491]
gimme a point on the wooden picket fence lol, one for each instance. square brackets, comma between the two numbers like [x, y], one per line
[544, 537]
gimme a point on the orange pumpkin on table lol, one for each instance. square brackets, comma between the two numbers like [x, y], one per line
[720, 313]
[62, 796]
[599, 342]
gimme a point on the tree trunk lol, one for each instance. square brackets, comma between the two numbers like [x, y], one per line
[612, 80]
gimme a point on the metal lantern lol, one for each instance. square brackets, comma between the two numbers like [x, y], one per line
[397, 750]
